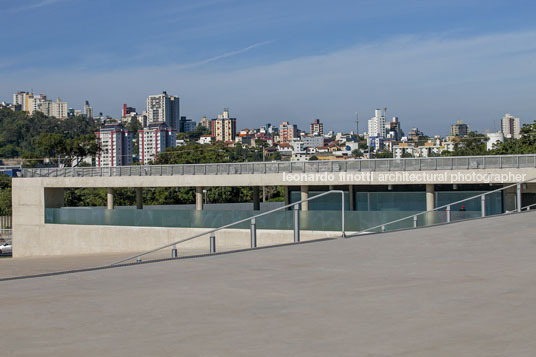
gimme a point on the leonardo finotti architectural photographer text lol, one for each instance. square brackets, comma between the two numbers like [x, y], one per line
[404, 177]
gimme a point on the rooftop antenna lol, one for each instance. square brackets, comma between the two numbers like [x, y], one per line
[385, 112]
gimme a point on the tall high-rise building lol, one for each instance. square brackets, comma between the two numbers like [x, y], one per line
[459, 129]
[154, 139]
[21, 98]
[163, 108]
[57, 109]
[224, 128]
[34, 102]
[510, 126]
[394, 131]
[88, 110]
[316, 127]
[204, 122]
[376, 125]
[116, 146]
[287, 132]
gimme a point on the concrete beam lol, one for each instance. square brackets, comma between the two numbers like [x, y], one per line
[256, 201]
[430, 197]
[199, 198]
[304, 196]
[139, 197]
[110, 198]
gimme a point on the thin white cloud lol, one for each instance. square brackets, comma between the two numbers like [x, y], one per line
[428, 81]
[34, 5]
[222, 56]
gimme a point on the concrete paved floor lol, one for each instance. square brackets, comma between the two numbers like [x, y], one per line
[467, 289]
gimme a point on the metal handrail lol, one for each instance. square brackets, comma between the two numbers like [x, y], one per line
[447, 208]
[372, 165]
[343, 234]
[527, 208]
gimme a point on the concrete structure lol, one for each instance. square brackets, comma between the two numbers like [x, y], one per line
[459, 290]
[510, 126]
[224, 128]
[459, 129]
[316, 128]
[494, 138]
[163, 108]
[313, 141]
[154, 139]
[376, 124]
[21, 98]
[57, 109]
[287, 132]
[31, 195]
[116, 146]
[88, 110]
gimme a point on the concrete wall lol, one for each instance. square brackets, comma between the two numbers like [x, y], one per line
[32, 237]
[265, 179]
[56, 239]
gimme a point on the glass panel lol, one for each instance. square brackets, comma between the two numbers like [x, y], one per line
[188, 170]
[212, 169]
[526, 161]
[271, 168]
[428, 164]
[491, 162]
[354, 165]
[311, 220]
[444, 163]
[259, 168]
[199, 169]
[396, 165]
[311, 167]
[178, 170]
[324, 166]
[460, 163]
[382, 165]
[297, 166]
[368, 165]
[508, 162]
[476, 163]
[412, 165]
[284, 167]
[493, 203]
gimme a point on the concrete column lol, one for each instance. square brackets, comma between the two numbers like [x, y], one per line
[263, 193]
[199, 198]
[256, 201]
[287, 196]
[430, 197]
[304, 196]
[110, 198]
[139, 197]
[351, 197]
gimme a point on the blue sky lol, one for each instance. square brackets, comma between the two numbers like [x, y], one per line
[430, 62]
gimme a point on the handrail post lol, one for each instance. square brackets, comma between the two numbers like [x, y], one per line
[174, 251]
[483, 205]
[212, 243]
[448, 214]
[296, 223]
[253, 229]
[415, 218]
[518, 187]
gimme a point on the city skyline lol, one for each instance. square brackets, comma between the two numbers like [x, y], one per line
[430, 64]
